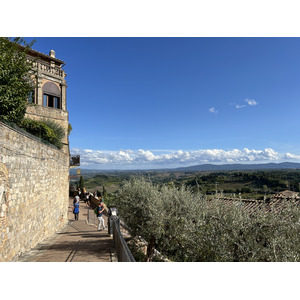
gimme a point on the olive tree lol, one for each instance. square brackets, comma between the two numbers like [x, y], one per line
[163, 215]
[184, 226]
[141, 207]
[182, 208]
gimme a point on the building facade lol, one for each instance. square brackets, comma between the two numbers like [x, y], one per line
[49, 98]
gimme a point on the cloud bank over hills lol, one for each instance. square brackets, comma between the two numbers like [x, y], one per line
[139, 159]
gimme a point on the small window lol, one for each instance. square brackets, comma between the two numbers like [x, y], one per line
[31, 97]
[51, 101]
[56, 102]
[45, 100]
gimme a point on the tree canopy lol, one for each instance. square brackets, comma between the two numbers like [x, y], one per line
[184, 226]
[16, 81]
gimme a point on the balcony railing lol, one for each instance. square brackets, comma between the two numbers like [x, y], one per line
[50, 69]
[44, 67]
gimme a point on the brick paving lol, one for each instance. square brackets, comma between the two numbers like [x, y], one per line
[76, 242]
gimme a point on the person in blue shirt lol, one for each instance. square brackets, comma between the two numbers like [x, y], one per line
[76, 209]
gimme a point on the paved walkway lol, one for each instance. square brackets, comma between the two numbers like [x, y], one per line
[76, 242]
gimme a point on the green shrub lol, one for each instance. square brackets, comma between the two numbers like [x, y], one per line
[57, 129]
[43, 131]
[69, 128]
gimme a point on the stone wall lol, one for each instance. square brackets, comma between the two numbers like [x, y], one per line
[37, 112]
[34, 192]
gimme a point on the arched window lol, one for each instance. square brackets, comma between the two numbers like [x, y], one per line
[51, 95]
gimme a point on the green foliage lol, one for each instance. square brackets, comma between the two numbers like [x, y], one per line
[81, 182]
[15, 79]
[224, 234]
[110, 199]
[38, 129]
[69, 128]
[104, 192]
[184, 226]
[245, 182]
[57, 129]
[41, 130]
[107, 198]
[141, 207]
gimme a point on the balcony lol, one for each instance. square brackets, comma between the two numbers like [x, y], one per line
[47, 68]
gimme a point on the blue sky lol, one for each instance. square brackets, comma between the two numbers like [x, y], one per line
[170, 102]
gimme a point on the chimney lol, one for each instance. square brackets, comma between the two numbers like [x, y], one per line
[52, 53]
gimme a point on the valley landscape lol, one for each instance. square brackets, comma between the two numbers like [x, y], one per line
[249, 181]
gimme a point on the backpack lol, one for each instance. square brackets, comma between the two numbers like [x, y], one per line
[96, 210]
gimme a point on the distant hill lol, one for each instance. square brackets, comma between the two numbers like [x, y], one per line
[85, 171]
[205, 167]
[232, 167]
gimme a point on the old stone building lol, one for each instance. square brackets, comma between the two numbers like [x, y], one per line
[48, 100]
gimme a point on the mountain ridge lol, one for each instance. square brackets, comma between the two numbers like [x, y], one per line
[207, 167]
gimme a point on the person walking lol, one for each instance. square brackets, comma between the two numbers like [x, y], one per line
[100, 210]
[76, 199]
[76, 210]
[88, 195]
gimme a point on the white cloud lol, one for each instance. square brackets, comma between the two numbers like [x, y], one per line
[251, 102]
[213, 110]
[162, 159]
[291, 156]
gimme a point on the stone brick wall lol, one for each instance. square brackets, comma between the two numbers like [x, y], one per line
[37, 112]
[34, 192]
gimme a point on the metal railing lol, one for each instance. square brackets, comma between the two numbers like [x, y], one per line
[123, 252]
[91, 217]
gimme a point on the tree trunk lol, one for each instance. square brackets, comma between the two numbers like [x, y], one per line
[150, 249]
